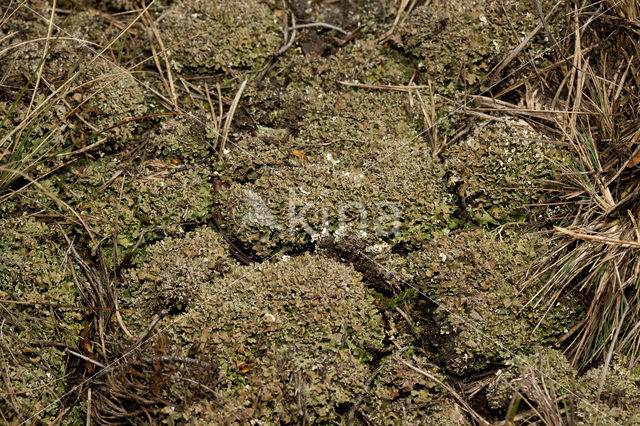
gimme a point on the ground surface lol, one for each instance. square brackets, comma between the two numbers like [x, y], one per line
[339, 258]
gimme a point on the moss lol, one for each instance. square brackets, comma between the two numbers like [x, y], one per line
[205, 36]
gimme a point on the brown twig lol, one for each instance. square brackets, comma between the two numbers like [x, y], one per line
[230, 114]
[476, 416]
[398, 88]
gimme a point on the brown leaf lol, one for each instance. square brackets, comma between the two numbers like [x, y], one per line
[634, 161]
[301, 155]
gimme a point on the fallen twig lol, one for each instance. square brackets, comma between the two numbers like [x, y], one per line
[477, 417]
[598, 238]
[384, 87]
[318, 24]
[230, 114]
[289, 38]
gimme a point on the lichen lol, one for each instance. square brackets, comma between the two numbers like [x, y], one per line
[497, 172]
[401, 394]
[276, 327]
[206, 36]
[380, 166]
[101, 92]
[574, 397]
[472, 278]
[157, 197]
[40, 303]
[174, 270]
[182, 140]
[328, 319]
[481, 33]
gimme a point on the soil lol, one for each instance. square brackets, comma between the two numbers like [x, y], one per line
[337, 259]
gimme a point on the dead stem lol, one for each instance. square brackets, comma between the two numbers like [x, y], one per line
[230, 114]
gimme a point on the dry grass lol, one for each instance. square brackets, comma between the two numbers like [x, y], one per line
[546, 406]
[626, 9]
[597, 249]
[20, 153]
[137, 378]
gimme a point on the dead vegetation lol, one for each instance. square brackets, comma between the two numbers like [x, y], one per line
[596, 86]
[544, 404]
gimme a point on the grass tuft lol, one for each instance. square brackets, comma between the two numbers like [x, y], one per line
[598, 247]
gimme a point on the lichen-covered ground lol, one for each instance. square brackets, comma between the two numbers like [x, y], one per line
[354, 252]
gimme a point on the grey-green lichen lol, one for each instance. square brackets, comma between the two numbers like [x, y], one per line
[497, 172]
[290, 337]
[102, 93]
[157, 197]
[458, 43]
[304, 333]
[183, 140]
[474, 278]
[173, 271]
[300, 322]
[205, 36]
[40, 303]
[547, 379]
[345, 162]
[402, 395]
